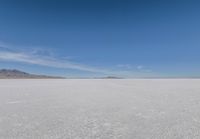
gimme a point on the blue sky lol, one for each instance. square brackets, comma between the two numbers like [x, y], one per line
[92, 38]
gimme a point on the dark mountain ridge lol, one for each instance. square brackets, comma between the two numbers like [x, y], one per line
[17, 74]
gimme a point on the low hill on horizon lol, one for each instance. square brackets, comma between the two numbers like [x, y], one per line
[17, 74]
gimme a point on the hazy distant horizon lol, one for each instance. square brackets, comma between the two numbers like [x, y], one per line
[41, 76]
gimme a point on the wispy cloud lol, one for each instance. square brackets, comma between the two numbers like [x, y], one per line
[47, 58]
[46, 61]
[143, 68]
[43, 57]
[129, 67]
[139, 67]
[126, 66]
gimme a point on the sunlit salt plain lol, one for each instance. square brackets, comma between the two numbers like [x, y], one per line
[100, 109]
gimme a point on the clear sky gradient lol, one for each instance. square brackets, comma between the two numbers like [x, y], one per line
[92, 38]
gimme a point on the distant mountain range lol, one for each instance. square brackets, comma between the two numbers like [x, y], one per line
[17, 74]
[112, 77]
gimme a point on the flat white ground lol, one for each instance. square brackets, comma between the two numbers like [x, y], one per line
[100, 109]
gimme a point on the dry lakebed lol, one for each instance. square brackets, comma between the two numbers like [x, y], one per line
[100, 109]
